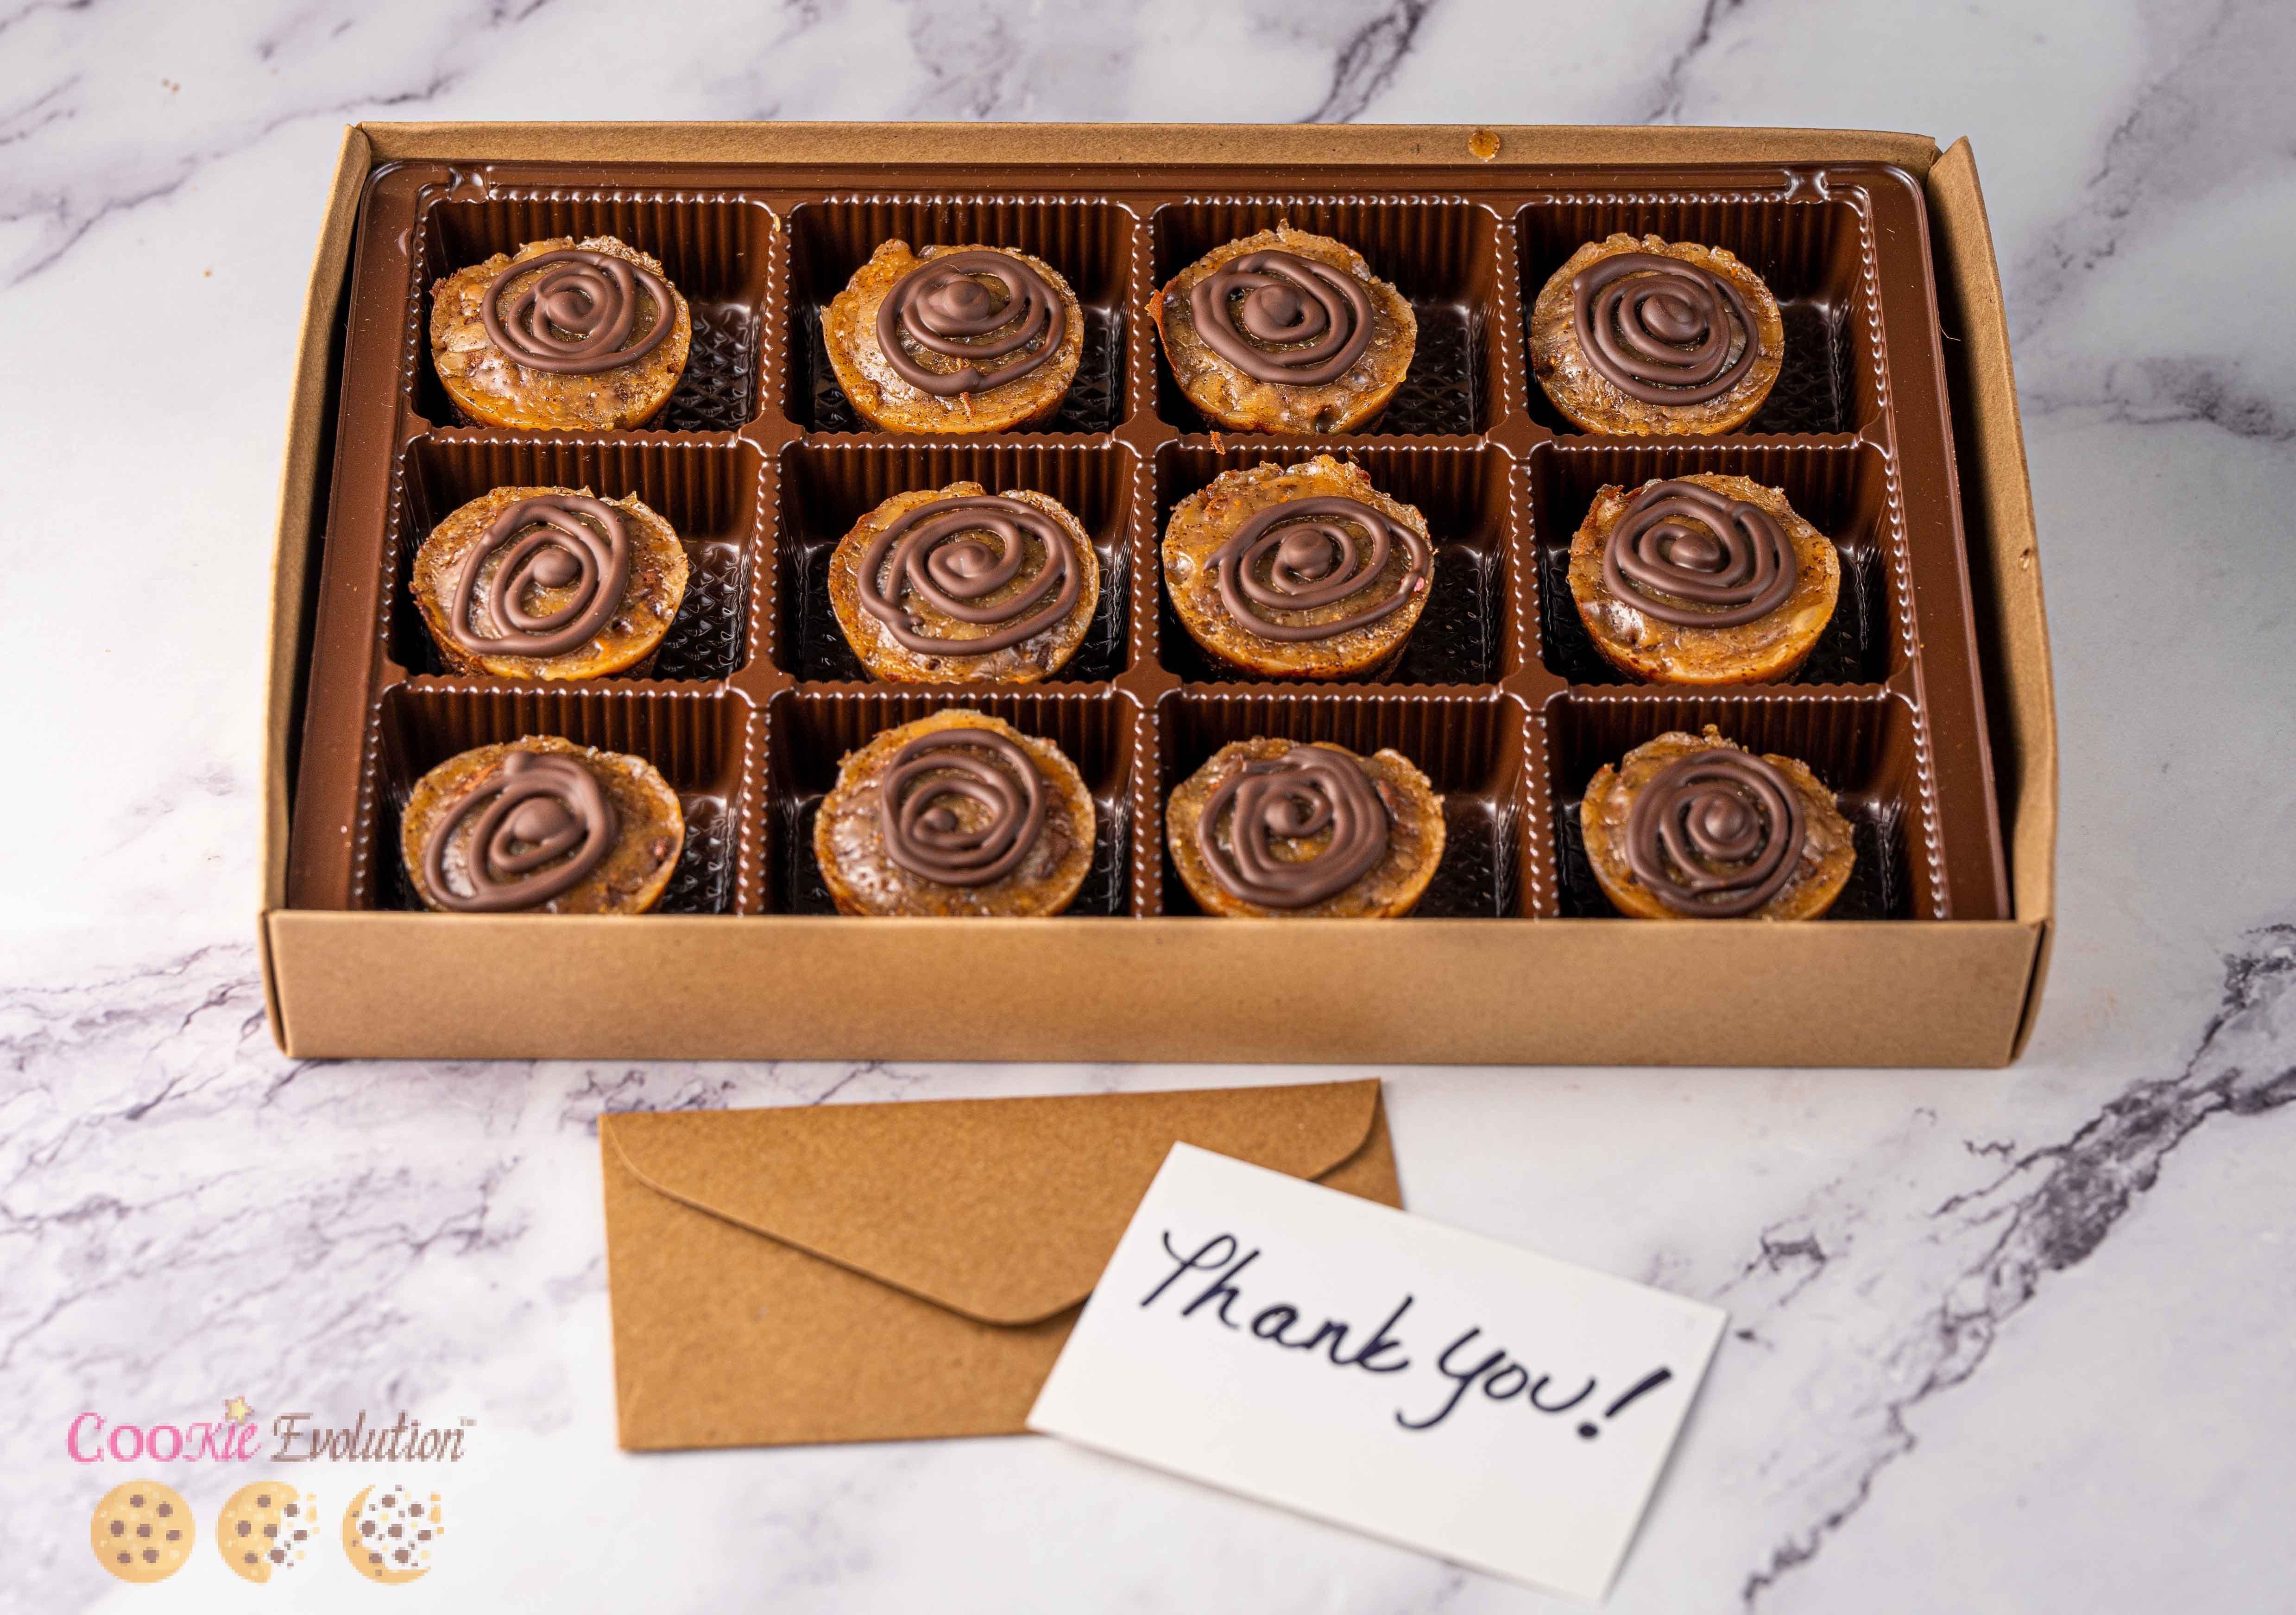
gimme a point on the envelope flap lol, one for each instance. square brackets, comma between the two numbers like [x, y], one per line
[1003, 1210]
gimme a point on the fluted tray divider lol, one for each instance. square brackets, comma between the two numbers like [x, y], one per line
[761, 470]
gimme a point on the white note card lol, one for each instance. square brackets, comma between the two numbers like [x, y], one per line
[1497, 1408]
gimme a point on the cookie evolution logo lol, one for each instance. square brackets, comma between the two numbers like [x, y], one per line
[237, 1438]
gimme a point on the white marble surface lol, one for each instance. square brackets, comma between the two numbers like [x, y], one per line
[2001, 1341]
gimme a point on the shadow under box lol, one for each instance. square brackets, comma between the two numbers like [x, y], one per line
[714, 251]
[1441, 254]
[697, 742]
[826, 489]
[1861, 748]
[1476, 749]
[1468, 495]
[1840, 490]
[707, 492]
[1809, 253]
[814, 731]
[1090, 244]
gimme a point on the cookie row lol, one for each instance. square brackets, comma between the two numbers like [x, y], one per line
[960, 814]
[1305, 572]
[1284, 331]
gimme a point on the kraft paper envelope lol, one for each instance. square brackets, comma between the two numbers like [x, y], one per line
[884, 1272]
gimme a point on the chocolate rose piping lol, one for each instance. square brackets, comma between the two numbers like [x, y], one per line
[1661, 330]
[1306, 792]
[938, 553]
[544, 823]
[1318, 561]
[943, 308]
[1286, 300]
[554, 541]
[923, 831]
[1729, 558]
[591, 297]
[1715, 835]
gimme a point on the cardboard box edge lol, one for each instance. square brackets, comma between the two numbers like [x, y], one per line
[1964, 237]
[294, 547]
[501, 996]
[1374, 145]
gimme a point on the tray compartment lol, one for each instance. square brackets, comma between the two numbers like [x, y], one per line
[825, 489]
[1471, 498]
[1089, 241]
[1441, 252]
[709, 493]
[703, 744]
[1840, 488]
[715, 248]
[1480, 750]
[814, 729]
[1813, 252]
[1862, 746]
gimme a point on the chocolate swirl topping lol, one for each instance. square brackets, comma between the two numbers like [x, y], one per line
[1317, 560]
[554, 541]
[544, 824]
[1727, 558]
[938, 552]
[1715, 835]
[1306, 792]
[943, 307]
[923, 831]
[591, 298]
[1299, 321]
[1661, 330]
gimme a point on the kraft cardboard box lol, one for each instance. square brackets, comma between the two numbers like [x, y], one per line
[363, 982]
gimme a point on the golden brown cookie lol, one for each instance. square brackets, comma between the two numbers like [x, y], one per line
[1285, 331]
[957, 583]
[562, 335]
[1298, 571]
[1704, 579]
[542, 825]
[958, 814]
[1692, 827]
[954, 339]
[391, 1533]
[1649, 336]
[1275, 829]
[267, 1529]
[142, 1531]
[549, 582]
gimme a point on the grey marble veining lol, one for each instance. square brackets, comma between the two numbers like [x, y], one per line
[1998, 1340]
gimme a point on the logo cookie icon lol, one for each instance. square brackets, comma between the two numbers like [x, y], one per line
[265, 1528]
[142, 1531]
[390, 1533]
